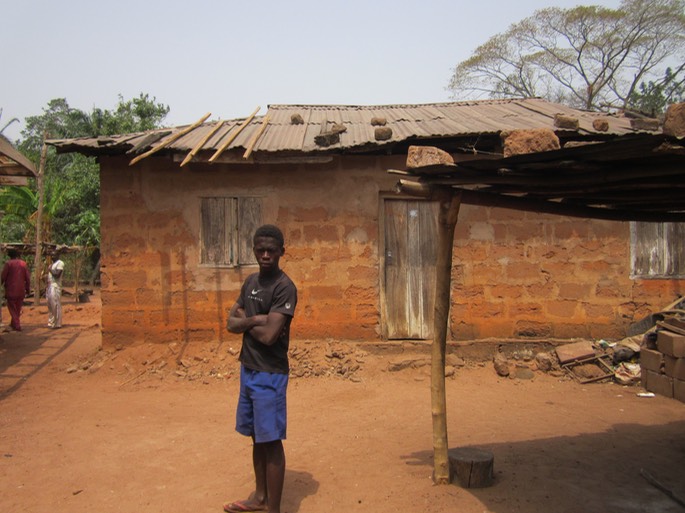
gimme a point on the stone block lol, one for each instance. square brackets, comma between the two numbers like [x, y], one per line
[520, 142]
[419, 156]
[576, 351]
[600, 124]
[382, 133]
[674, 367]
[671, 343]
[674, 121]
[566, 122]
[659, 384]
[679, 389]
[651, 360]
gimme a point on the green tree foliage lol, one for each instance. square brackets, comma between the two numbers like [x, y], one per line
[653, 97]
[72, 181]
[20, 205]
[589, 57]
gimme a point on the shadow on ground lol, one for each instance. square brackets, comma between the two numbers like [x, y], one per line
[24, 353]
[564, 470]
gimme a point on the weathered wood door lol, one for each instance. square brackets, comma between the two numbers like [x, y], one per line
[408, 267]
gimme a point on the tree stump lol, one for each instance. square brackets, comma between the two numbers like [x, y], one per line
[472, 467]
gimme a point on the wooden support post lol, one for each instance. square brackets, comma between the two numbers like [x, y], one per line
[449, 203]
[38, 261]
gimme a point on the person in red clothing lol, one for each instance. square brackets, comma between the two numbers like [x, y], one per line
[17, 282]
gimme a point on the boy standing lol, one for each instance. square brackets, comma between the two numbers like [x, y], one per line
[263, 313]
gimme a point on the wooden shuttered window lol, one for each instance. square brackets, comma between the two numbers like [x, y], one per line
[228, 224]
[657, 250]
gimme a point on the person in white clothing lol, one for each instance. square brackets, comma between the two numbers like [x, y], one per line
[54, 293]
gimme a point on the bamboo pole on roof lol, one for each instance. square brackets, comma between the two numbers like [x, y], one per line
[232, 137]
[199, 145]
[171, 139]
[37, 261]
[256, 137]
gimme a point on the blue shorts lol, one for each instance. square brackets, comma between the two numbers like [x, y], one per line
[261, 411]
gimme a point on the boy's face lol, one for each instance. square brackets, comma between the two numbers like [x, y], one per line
[268, 252]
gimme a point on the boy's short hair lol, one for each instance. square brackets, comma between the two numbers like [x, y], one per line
[269, 230]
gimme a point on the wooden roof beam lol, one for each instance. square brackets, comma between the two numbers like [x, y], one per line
[564, 209]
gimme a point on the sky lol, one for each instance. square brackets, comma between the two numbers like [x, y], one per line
[228, 57]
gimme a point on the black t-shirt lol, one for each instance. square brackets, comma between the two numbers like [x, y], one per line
[261, 296]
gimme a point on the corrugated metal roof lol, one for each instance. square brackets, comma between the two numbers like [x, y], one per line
[639, 178]
[407, 122]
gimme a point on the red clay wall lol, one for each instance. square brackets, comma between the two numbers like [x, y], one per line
[155, 290]
[514, 274]
[525, 274]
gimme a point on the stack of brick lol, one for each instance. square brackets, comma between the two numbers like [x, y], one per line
[663, 368]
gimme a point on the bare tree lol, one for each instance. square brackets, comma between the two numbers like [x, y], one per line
[8, 123]
[589, 57]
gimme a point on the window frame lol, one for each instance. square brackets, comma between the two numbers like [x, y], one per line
[656, 250]
[231, 235]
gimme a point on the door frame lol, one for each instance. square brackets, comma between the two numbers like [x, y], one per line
[383, 197]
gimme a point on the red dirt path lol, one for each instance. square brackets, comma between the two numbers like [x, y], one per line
[136, 430]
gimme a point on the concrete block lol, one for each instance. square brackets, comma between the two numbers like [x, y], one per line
[659, 384]
[671, 343]
[674, 367]
[575, 351]
[679, 389]
[651, 360]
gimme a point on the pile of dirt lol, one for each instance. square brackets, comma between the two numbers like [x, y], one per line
[203, 362]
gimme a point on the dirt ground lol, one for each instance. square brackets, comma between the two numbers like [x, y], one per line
[150, 429]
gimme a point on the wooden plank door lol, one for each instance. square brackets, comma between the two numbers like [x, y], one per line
[408, 267]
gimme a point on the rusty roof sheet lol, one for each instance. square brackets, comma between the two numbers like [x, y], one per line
[639, 177]
[276, 132]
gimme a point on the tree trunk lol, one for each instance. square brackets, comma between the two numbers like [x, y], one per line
[447, 221]
[94, 276]
[472, 467]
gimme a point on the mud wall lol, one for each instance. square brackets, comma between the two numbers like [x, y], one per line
[523, 274]
[514, 275]
[154, 288]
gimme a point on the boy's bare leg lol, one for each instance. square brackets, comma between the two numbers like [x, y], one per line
[275, 474]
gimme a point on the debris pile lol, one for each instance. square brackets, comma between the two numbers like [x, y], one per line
[653, 356]
[584, 361]
[523, 363]
[453, 363]
[326, 359]
[205, 362]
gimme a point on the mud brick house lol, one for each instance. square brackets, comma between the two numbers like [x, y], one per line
[179, 205]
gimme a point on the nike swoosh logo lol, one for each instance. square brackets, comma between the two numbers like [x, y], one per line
[256, 291]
